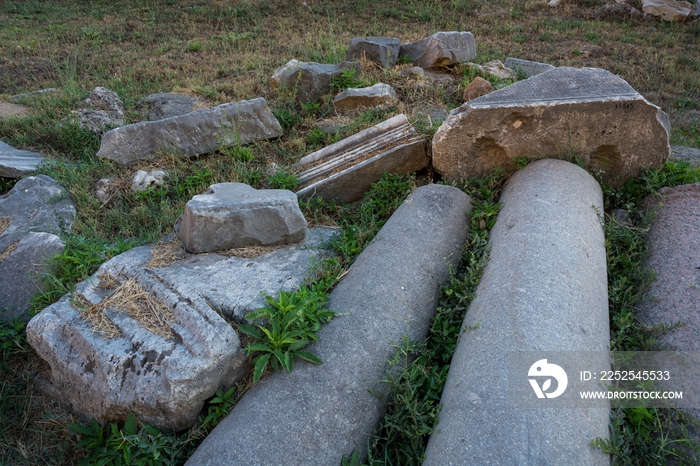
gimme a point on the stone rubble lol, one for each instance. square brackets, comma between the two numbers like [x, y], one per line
[381, 50]
[143, 180]
[310, 81]
[101, 110]
[477, 88]
[440, 49]
[372, 96]
[669, 10]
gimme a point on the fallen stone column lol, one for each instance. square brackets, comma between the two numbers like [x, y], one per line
[544, 289]
[317, 414]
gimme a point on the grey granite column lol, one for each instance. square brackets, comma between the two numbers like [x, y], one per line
[317, 414]
[544, 289]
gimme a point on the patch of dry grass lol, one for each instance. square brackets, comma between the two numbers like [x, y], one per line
[8, 250]
[165, 253]
[4, 223]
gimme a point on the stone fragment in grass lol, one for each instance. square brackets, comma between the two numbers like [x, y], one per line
[527, 67]
[319, 413]
[686, 154]
[310, 81]
[126, 364]
[495, 68]
[669, 10]
[235, 215]
[381, 50]
[371, 96]
[587, 114]
[275, 79]
[194, 133]
[164, 105]
[101, 110]
[15, 163]
[477, 88]
[441, 49]
[143, 180]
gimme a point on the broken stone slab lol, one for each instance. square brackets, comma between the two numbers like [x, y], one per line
[441, 49]
[319, 413]
[674, 295]
[164, 105]
[345, 170]
[544, 289]
[143, 180]
[236, 286]
[22, 265]
[381, 50]
[101, 110]
[686, 154]
[527, 67]
[310, 81]
[8, 110]
[669, 10]
[495, 68]
[15, 163]
[162, 370]
[477, 88]
[192, 134]
[588, 113]
[235, 215]
[371, 96]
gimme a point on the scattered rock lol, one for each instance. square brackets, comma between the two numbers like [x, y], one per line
[310, 81]
[589, 113]
[414, 72]
[8, 110]
[15, 163]
[128, 342]
[477, 88]
[495, 68]
[617, 11]
[527, 67]
[621, 217]
[371, 96]
[669, 10]
[346, 170]
[30, 213]
[437, 80]
[318, 413]
[106, 188]
[144, 180]
[435, 115]
[235, 215]
[272, 169]
[162, 106]
[441, 49]
[687, 154]
[381, 50]
[40, 91]
[100, 110]
[292, 64]
[192, 134]
[554, 2]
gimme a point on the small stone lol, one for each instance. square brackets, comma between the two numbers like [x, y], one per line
[162, 106]
[527, 67]
[15, 163]
[441, 49]
[371, 96]
[414, 72]
[495, 68]
[235, 215]
[310, 81]
[381, 50]
[144, 180]
[106, 188]
[100, 110]
[669, 10]
[477, 88]
[621, 217]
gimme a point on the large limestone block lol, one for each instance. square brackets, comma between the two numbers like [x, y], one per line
[235, 215]
[311, 80]
[15, 163]
[318, 413]
[544, 289]
[670, 10]
[587, 113]
[441, 49]
[192, 134]
[381, 50]
[163, 378]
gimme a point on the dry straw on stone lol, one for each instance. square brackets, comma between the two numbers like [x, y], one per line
[129, 297]
[165, 253]
[4, 223]
[251, 252]
[10, 249]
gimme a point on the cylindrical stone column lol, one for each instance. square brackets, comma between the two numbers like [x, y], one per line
[317, 414]
[544, 289]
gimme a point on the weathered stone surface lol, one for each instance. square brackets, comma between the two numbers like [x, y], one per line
[477, 88]
[21, 272]
[670, 10]
[15, 163]
[674, 255]
[345, 170]
[414, 72]
[529, 68]
[164, 105]
[381, 50]
[371, 96]
[236, 286]
[143, 180]
[100, 110]
[687, 154]
[194, 133]
[544, 289]
[235, 215]
[40, 91]
[12, 110]
[106, 188]
[495, 68]
[311, 80]
[588, 112]
[163, 380]
[275, 79]
[317, 414]
[441, 49]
